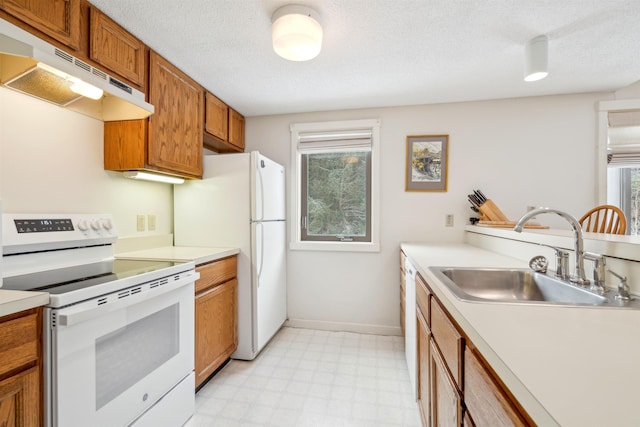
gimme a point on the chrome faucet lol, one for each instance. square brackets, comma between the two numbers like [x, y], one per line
[578, 277]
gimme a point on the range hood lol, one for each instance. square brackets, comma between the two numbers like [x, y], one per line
[34, 67]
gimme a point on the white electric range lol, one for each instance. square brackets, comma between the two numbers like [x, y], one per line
[118, 334]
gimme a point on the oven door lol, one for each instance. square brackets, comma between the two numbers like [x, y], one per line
[110, 363]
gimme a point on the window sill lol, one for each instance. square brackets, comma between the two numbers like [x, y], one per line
[335, 246]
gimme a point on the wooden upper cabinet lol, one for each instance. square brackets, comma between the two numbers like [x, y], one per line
[216, 120]
[115, 48]
[176, 127]
[236, 129]
[59, 19]
[170, 140]
[223, 127]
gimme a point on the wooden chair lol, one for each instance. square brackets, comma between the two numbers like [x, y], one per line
[604, 219]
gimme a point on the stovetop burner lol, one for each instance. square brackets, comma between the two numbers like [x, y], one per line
[71, 279]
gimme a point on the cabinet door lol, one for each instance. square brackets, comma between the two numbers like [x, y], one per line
[20, 399]
[424, 379]
[446, 402]
[216, 119]
[450, 341]
[176, 127]
[216, 328]
[236, 129]
[485, 400]
[59, 19]
[115, 48]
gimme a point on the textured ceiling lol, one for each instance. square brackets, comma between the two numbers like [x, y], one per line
[379, 53]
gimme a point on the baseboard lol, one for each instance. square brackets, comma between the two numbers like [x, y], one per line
[359, 328]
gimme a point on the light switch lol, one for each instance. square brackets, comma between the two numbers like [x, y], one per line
[448, 221]
[151, 221]
[140, 223]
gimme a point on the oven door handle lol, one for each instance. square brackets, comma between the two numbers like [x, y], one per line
[91, 309]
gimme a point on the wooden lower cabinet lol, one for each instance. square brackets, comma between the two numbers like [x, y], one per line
[423, 376]
[21, 369]
[446, 400]
[456, 387]
[487, 402]
[20, 399]
[216, 314]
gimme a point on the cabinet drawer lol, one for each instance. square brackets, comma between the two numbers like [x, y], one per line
[216, 272]
[422, 298]
[19, 341]
[449, 341]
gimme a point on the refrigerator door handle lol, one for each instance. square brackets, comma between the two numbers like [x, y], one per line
[260, 226]
[260, 202]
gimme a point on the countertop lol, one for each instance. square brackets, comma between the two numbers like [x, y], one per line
[199, 255]
[566, 366]
[15, 301]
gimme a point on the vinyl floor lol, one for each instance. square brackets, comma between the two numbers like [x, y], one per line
[313, 378]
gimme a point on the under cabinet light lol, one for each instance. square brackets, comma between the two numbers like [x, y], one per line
[147, 176]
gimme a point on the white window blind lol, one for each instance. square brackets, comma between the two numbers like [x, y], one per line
[335, 184]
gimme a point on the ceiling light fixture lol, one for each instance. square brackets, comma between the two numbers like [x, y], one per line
[147, 176]
[296, 33]
[536, 58]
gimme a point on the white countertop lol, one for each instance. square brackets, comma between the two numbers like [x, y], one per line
[15, 301]
[566, 366]
[199, 255]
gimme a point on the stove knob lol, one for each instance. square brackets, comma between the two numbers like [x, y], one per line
[106, 224]
[95, 224]
[82, 225]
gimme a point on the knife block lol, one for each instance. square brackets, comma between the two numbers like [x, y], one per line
[492, 216]
[491, 212]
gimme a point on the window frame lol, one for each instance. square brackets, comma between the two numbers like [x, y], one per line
[296, 234]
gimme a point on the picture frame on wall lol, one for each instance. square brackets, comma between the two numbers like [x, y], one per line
[427, 163]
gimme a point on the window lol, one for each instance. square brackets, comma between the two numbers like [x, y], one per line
[335, 186]
[624, 192]
[622, 121]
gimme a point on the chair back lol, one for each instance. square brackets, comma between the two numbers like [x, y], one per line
[604, 219]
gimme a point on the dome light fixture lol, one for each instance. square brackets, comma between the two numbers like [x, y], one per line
[296, 33]
[536, 58]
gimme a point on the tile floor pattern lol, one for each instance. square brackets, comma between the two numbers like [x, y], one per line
[306, 378]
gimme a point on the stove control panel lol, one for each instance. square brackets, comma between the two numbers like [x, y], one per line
[40, 232]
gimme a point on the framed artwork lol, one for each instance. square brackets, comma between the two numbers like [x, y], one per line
[427, 163]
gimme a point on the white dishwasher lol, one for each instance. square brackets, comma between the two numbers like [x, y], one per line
[410, 325]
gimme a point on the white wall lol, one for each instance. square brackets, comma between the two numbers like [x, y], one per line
[520, 152]
[51, 160]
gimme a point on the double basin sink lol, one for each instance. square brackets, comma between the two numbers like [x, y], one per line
[523, 286]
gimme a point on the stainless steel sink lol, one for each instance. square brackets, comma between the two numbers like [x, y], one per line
[521, 286]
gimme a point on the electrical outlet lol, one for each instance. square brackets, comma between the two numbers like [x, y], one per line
[448, 220]
[140, 226]
[151, 222]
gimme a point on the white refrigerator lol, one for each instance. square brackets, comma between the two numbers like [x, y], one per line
[240, 203]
